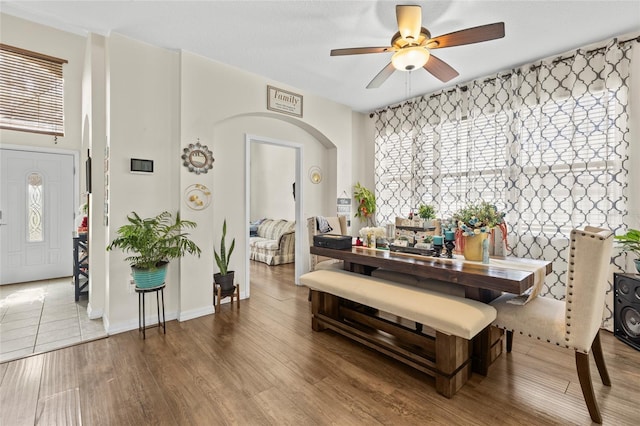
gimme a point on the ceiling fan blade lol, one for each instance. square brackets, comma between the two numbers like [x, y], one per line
[361, 50]
[382, 76]
[409, 19]
[468, 36]
[440, 69]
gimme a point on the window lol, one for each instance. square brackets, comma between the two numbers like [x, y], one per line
[35, 207]
[567, 158]
[31, 91]
[559, 169]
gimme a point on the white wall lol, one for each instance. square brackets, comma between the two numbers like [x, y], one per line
[221, 104]
[94, 138]
[272, 177]
[363, 162]
[143, 123]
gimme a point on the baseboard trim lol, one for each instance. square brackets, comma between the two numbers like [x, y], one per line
[124, 326]
[94, 313]
[195, 313]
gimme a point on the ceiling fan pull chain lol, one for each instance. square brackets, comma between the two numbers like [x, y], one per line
[407, 85]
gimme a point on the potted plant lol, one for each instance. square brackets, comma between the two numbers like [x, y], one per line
[631, 242]
[427, 242]
[155, 241]
[427, 213]
[475, 222]
[366, 204]
[225, 277]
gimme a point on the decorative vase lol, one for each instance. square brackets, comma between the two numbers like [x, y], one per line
[225, 281]
[382, 243]
[473, 246]
[149, 278]
[372, 241]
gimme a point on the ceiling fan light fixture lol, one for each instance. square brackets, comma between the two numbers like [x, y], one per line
[410, 58]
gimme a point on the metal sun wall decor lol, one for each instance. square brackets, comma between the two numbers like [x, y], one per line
[197, 158]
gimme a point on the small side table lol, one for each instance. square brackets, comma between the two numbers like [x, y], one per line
[142, 292]
[234, 292]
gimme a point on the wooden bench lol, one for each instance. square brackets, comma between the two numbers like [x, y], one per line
[389, 317]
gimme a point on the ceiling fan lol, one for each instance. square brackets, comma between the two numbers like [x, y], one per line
[412, 45]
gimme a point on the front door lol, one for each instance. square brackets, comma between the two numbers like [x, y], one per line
[36, 215]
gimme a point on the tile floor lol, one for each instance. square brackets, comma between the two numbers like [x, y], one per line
[41, 316]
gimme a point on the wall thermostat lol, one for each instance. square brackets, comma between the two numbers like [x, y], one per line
[141, 166]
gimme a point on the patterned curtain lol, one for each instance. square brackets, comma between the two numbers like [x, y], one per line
[546, 142]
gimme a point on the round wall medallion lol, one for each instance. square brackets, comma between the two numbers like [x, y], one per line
[315, 174]
[197, 197]
[197, 158]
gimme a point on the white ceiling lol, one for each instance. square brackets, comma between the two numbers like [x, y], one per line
[289, 41]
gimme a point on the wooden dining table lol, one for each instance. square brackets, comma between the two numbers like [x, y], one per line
[483, 282]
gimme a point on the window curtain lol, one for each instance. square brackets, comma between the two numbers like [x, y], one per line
[546, 142]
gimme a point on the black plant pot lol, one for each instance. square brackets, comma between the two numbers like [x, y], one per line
[225, 281]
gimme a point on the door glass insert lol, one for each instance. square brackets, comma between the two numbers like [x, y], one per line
[35, 207]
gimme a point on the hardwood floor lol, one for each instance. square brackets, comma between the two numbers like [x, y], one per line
[262, 364]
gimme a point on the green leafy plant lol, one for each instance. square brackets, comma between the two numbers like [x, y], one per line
[156, 240]
[426, 211]
[222, 259]
[478, 217]
[366, 202]
[630, 241]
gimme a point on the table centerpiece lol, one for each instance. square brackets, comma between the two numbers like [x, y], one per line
[370, 234]
[475, 223]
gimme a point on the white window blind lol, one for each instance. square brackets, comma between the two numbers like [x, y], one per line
[567, 157]
[31, 91]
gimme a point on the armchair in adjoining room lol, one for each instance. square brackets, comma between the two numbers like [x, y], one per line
[338, 226]
[573, 323]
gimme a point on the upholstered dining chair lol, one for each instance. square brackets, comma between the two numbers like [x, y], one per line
[573, 323]
[338, 226]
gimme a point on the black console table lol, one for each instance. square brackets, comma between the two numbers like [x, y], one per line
[80, 265]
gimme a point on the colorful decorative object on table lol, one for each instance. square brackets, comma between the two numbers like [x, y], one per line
[475, 223]
[371, 233]
[449, 245]
[437, 245]
[426, 211]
